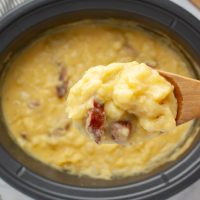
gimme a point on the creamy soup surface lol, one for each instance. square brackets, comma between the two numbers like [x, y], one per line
[37, 85]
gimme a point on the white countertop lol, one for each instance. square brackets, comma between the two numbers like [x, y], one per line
[192, 193]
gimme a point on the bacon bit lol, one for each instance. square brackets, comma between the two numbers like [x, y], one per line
[67, 126]
[120, 131]
[129, 49]
[151, 63]
[63, 74]
[61, 90]
[63, 87]
[58, 132]
[95, 121]
[24, 136]
[34, 104]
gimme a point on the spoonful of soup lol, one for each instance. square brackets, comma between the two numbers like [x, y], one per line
[130, 102]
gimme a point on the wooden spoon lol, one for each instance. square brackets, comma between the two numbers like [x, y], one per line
[187, 93]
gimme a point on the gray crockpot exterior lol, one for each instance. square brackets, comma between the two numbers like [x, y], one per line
[160, 186]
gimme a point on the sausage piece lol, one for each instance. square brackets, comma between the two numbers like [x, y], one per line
[120, 131]
[96, 121]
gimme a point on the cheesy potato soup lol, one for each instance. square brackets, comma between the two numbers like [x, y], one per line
[122, 101]
[39, 78]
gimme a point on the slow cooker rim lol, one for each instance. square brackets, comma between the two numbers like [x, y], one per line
[23, 10]
[24, 7]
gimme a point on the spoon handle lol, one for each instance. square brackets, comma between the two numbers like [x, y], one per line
[187, 92]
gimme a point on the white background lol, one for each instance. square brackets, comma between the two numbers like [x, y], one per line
[191, 193]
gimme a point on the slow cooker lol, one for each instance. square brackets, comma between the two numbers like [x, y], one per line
[36, 179]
